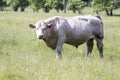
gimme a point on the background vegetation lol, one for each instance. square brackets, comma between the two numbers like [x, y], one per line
[24, 57]
[63, 5]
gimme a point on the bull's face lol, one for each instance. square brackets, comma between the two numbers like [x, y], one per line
[42, 29]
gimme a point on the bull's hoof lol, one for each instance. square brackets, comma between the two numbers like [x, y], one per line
[59, 56]
[101, 56]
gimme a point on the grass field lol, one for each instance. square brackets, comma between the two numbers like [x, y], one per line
[24, 57]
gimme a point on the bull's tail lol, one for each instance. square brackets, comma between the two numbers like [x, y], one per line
[101, 33]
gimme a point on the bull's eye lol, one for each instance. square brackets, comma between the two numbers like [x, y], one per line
[49, 25]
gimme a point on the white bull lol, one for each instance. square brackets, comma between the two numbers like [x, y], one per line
[75, 31]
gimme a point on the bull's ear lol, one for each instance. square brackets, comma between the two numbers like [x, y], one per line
[32, 26]
[49, 25]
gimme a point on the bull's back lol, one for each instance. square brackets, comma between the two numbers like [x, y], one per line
[96, 24]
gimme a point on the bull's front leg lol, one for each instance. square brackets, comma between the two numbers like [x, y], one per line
[59, 46]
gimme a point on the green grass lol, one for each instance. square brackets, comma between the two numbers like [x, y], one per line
[24, 57]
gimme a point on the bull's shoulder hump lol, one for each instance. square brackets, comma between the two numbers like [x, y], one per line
[55, 18]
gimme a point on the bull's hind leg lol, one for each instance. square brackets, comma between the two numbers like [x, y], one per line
[90, 44]
[100, 47]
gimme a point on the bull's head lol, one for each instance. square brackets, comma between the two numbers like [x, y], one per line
[42, 29]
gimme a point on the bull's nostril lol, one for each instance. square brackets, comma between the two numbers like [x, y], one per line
[40, 37]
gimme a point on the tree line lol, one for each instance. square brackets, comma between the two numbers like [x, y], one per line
[61, 5]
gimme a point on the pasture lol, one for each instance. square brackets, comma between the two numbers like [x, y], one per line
[24, 57]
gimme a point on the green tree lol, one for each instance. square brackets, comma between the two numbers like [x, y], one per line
[104, 5]
[87, 2]
[57, 5]
[36, 4]
[76, 5]
[2, 5]
[22, 4]
[47, 5]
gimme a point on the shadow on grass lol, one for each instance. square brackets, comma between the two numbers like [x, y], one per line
[117, 15]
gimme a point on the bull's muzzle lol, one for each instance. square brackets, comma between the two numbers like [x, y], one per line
[40, 37]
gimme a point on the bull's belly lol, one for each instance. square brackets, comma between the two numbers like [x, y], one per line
[76, 42]
[78, 37]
